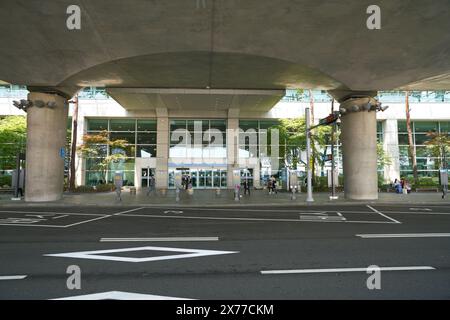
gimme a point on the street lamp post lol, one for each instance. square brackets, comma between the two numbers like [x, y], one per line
[309, 197]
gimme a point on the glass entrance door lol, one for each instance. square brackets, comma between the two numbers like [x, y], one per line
[146, 173]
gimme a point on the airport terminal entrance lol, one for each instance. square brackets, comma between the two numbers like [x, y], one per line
[201, 178]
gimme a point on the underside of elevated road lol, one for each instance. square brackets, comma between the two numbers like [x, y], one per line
[251, 44]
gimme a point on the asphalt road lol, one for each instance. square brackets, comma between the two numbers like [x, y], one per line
[232, 253]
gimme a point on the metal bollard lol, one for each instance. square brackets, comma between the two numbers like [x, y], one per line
[294, 189]
[236, 194]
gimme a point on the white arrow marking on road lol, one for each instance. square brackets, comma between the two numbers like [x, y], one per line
[120, 295]
[346, 270]
[12, 277]
[98, 254]
[403, 235]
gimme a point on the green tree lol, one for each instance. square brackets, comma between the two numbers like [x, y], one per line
[293, 141]
[13, 133]
[92, 148]
[383, 159]
[438, 145]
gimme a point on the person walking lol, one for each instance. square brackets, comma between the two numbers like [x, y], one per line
[151, 185]
[246, 185]
[274, 185]
[269, 186]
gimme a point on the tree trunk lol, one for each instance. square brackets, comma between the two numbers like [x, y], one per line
[74, 145]
[411, 149]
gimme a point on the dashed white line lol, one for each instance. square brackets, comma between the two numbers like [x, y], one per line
[381, 214]
[403, 235]
[338, 270]
[12, 277]
[162, 239]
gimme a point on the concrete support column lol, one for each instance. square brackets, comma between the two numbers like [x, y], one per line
[162, 149]
[46, 141]
[232, 145]
[390, 145]
[359, 148]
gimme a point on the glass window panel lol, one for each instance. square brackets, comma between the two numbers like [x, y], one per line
[403, 139]
[93, 163]
[422, 152]
[146, 138]
[146, 125]
[177, 151]
[445, 127]
[425, 126]
[219, 124]
[420, 138]
[194, 125]
[128, 136]
[379, 126]
[248, 124]
[122, 125]
[401, 126]
[266, 124]
[94, 178]
[97, 124]
[146, 152]
[177, 124]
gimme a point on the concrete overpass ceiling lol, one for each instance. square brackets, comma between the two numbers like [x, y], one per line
[309, 43]
[135, 99]
[219, 70]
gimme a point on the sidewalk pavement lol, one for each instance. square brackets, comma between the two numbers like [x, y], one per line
[202, 198]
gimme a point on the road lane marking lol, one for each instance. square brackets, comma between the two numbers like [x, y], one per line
[86, 221]
[54, 213]
[338, 270]
[244, 219]
[100, 254]
[58, 217]
[12, 277]
[167, 239]
[131, 210]
[403, 235]
[381, 214]
[120, 295]
[420, 209]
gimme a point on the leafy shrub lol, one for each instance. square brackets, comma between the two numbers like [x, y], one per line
[105, 187]
[84, 189]
[5, 180]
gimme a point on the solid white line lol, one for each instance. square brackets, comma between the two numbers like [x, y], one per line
[86, 221]
[387, 217]
[30, 225]
[403, 235]
[59, 217]
[244, 219]
[54, 213]
[345, 270]
[12, 277]
[131, 210]
[168, 239]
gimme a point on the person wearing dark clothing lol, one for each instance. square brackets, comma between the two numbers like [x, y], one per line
[246, 186]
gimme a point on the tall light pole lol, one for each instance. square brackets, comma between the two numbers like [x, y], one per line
[309, 197]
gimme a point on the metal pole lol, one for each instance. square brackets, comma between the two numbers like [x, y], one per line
[309, 197]
[16, 189]
[333, 164]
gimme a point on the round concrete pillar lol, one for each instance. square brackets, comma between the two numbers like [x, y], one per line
[359, 150]
[46, 140]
